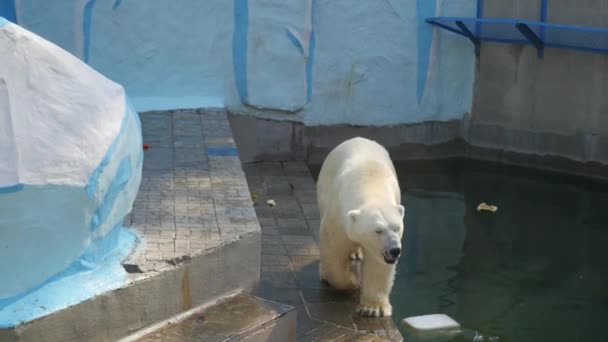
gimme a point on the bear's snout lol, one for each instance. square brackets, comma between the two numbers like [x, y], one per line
[394, 252]
[391, 255]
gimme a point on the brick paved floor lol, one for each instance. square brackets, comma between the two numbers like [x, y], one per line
[194, 194]
[290, 256]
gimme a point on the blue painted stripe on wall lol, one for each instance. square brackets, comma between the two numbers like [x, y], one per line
[95, 253]
[8, 11]
[100, 248]
[140, 158]
[222, 151]
[239, 47]
[311, 54]
[117, 4]
[12, 188]
[131, 109]
[294, 40]
[92, 183]
[424, 9]
[119, 182]
[86, 28]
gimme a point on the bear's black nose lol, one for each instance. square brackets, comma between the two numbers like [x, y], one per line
[395, 251]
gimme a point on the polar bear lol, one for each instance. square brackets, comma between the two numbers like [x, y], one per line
[361, 218]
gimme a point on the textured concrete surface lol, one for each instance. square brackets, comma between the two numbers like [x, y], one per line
[194, 194]
[199, 236]
[555, 105]
[238, 318]
[152, 298]
[265, 140]
[290, 256]
[284, 57]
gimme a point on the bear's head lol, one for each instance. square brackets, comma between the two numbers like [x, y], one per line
[378, 230]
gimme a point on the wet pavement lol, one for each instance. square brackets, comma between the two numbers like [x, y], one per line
[195, 196]
[290, 257]
[234, 316]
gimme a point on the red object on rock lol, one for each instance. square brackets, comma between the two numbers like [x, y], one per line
[146, 146]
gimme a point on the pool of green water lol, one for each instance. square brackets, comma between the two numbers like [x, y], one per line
[535, 270]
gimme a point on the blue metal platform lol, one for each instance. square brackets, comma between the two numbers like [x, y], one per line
[539, 34]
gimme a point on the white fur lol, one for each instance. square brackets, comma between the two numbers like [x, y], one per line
[359, 202]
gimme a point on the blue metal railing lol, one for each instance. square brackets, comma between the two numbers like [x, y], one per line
[539, 34]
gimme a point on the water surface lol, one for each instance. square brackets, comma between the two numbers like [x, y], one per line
[536, 270]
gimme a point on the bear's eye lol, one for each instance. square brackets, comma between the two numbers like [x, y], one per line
[378, 231]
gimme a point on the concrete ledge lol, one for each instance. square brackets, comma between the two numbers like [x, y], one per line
[271, 140]
[205, 277]
[577, 154]
[280, 329]
[194, 194]
[235, 318]
[199, 237]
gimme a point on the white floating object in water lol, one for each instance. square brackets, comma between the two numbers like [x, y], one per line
[430, 323]
[271, 203]
[487, 207]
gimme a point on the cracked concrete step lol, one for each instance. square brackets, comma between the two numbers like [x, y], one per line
[150, 297]
[240, 318]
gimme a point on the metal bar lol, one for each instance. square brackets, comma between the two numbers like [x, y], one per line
[469, 35]
[543, 10]
[528, 22]
[446, 27]
[577, 48]
[530, 35]
[543, 18]
[467, 32]
[479, 14]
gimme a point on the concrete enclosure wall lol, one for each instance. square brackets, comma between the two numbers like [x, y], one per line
[321, 62]
[334, 62]
[556, 105]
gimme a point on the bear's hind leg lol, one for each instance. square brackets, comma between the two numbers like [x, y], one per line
[337, 273]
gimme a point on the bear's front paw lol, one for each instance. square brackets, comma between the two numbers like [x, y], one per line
[375, 310]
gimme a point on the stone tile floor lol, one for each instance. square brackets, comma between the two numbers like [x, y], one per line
[227, 320]
[193, 195]
[290, 255]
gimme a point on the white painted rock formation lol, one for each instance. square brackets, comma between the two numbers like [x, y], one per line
[70, 161]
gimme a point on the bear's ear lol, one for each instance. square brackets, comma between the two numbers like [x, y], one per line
[401, 210]
[353, 214]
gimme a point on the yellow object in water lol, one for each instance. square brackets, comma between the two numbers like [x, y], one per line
[486, 207]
